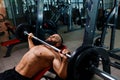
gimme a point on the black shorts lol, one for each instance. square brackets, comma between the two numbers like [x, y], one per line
[12, 75]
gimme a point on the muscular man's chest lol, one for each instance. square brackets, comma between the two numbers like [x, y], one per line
[42, 51]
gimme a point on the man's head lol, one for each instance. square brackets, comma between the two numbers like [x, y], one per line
[55, 40]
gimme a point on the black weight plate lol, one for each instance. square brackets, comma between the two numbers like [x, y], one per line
[72, 60]
[84, 61]
[20, 31]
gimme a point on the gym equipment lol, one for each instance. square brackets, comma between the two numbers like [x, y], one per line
[84, 58]
[86, 61]
[100, 19]
[39, 75]
[43, 28]
[82, 70]
[19, 31]
[50, 25]
[82, 61]
[101, 16]
[10, 44]
[23, 30]
[111, 21]
[59, 13]
[64, 13]
[76, 14]
[62, 9]
[70, 26]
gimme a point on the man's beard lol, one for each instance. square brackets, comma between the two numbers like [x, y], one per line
[51, 43]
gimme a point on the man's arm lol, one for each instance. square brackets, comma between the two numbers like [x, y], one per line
[30, 42]
[60, 65]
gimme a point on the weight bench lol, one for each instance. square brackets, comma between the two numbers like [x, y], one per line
[10, 44]
[39, 75]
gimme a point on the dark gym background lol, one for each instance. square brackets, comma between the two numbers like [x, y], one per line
[15, 12]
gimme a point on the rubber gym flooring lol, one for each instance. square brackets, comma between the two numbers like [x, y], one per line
[72, 40]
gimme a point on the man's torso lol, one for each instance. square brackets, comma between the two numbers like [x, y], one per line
[35, 60]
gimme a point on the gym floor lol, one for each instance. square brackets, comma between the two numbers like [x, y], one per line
[72, 40]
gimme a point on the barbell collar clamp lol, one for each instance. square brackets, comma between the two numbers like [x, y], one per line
[26, 33]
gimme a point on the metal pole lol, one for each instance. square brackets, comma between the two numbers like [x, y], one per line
[113, 31]
[91, 7]
[103, 74]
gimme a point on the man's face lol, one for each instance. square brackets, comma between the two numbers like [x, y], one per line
[54, 40]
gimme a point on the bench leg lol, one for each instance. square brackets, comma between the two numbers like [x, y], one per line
[9, 49]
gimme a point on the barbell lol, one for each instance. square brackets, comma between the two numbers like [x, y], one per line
[83, 63]
[24, 29]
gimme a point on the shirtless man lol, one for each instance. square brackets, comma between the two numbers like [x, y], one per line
[37, 59]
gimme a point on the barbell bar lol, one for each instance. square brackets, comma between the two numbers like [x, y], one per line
[43, 42]
[102, 74]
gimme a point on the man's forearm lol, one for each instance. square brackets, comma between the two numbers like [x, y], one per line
[63, 70]
[31, 44]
